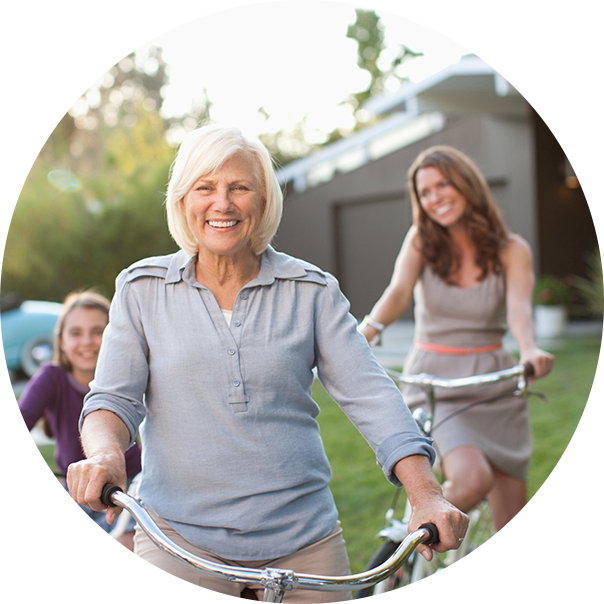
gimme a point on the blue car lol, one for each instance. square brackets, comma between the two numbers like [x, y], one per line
[27, 333]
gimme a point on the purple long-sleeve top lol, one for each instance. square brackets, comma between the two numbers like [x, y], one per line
[54, 392]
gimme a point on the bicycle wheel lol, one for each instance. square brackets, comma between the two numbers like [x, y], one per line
[398, 579]
[479, 578]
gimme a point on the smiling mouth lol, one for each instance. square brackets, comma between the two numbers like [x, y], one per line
[222, 225]
[443, 209]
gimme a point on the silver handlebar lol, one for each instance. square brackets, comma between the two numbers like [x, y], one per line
[275, 581]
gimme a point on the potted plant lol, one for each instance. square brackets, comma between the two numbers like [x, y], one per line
[551, 299]
[591, 287]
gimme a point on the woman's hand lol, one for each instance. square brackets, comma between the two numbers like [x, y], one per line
[429, 505]
[452, 524]
[86, 479]
[541, 360]
[104, 440]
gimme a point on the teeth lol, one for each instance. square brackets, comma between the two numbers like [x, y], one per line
[222, 225]
[443, 209]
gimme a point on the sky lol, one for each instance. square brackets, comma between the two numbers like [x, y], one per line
[292, 58]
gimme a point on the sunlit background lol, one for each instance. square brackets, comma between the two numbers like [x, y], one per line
[269, 66]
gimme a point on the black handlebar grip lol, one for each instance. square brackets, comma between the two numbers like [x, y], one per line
[434, 536]
[107, 492]
[529, 370]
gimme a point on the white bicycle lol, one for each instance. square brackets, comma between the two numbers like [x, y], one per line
[480, 527]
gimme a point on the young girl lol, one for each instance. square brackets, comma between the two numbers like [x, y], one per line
[56, 393]
[471, 279]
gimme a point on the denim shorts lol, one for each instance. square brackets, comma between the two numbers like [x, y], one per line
[64, 554]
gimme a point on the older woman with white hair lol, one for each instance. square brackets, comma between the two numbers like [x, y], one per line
[214, 348]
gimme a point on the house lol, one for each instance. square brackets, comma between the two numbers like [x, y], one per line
[347, 206]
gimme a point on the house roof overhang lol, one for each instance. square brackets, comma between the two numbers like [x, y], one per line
[415, 110]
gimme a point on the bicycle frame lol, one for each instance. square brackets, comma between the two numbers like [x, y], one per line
[275, 581]
[396, 530]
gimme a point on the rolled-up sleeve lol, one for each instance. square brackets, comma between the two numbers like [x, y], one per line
[122, 370]
[359, 385]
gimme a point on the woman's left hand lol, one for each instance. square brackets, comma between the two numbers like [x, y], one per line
[429, 505]
[452, 524]
[541, 360]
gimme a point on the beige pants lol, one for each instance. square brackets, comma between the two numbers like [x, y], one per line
[326, 557]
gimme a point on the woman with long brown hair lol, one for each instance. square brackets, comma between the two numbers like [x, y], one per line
[471, 279]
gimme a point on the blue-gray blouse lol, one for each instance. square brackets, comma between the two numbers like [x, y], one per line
[232, 454]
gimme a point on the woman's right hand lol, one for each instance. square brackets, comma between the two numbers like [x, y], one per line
[86, 479]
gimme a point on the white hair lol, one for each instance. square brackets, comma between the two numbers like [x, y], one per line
[203, 152]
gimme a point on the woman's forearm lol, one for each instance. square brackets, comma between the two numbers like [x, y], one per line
[104, 433]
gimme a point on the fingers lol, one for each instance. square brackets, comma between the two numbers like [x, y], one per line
[86, 479]
[452, 525]
[452, 529]
[112, 514]
[425, 551]
[542, 361]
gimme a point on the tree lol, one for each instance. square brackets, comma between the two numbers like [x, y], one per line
[70, 232]
[518, 24]
[93, 201]
[385, 72]
[368, 32]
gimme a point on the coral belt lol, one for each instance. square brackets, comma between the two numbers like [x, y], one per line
[442, 349]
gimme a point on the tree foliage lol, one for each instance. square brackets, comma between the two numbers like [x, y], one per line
[518, 24]
[93, 201]
[385, 71]
[368, 32]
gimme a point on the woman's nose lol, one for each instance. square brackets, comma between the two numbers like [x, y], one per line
[222, 200]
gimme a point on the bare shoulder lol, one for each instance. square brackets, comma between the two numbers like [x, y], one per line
[516, 250]
[516, 247]
[412, 239]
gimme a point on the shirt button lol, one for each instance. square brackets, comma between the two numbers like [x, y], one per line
[236, 383]
[232, 351]
[244, 296]
[237, 323]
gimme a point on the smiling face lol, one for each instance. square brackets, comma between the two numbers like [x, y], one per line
[441, 201]
[223, 209]
[80, 340]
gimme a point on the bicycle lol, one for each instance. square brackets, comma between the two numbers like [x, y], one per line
[480, 527]
[276, 581]
[94, 588]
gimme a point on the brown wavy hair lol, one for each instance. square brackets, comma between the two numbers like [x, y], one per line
[482, 218]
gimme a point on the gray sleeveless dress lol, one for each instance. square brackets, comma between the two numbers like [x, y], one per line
[469, 317]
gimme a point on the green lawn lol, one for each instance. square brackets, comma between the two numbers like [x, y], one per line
[566, 482]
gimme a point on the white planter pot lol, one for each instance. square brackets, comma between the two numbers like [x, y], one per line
[550, 321]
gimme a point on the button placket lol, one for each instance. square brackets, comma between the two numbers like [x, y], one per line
[237, 397]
